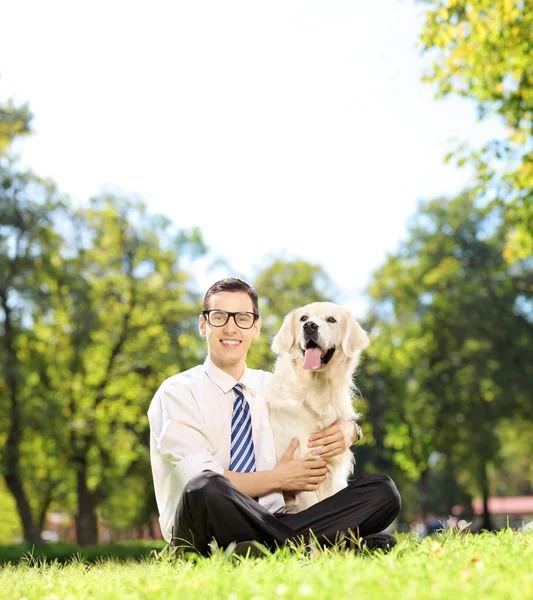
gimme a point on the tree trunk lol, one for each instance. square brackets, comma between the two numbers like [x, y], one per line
[12, 474]
[86, 519]
[451, 490]
[14, 485]
[487, 521]
[151, 531]
[423, 488]
[44, 510]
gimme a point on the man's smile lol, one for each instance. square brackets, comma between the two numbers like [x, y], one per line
[230, 343]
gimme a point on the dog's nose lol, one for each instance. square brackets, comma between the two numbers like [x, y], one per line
[310, 326]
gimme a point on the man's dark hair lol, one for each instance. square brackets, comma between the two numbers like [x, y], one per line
[231, 284]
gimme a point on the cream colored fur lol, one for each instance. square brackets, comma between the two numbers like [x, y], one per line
[302, 402]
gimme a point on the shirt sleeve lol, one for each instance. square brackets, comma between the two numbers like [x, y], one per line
[179, 432]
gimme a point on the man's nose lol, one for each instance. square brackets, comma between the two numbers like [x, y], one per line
[231, 325]
[310, 326]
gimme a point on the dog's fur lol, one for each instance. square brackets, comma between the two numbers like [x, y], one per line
[302, 402]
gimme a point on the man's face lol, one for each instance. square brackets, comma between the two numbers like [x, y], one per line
[228, 345]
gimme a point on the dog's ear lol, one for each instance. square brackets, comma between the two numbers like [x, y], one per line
[285, 339]
[355, 338]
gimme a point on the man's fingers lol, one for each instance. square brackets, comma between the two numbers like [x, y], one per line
[321, 473]
[311, 487]
[317, 480]
[331, 450]
[289, 453]
[325, 432]
[317, 464]
[317, 472]
[328, 439]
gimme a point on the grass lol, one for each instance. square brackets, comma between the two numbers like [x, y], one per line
[64, 553]
[498, 565]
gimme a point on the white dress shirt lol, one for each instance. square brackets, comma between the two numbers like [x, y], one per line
[190, 432]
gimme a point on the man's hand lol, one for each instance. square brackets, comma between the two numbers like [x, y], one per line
[333, 440]
[297, 474]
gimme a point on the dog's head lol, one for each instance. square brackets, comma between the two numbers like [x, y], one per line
[320, 334]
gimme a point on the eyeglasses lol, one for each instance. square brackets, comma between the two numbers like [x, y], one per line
[218, 318]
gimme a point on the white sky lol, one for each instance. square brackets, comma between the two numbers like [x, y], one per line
[293, 127]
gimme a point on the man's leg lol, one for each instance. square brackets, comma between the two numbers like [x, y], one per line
[366, 506]
[211, 507]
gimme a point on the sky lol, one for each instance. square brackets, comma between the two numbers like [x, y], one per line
[299, 129]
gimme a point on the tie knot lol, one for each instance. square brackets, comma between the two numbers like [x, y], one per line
[238, 388]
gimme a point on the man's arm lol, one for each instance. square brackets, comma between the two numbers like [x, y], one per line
[179, 432]
[180, 438]
[289, 474]
[254, 484]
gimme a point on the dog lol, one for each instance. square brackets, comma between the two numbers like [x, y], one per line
[318, 348]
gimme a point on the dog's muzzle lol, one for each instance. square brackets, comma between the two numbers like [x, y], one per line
[310, 338]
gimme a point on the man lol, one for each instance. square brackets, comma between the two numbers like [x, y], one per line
[213, 456]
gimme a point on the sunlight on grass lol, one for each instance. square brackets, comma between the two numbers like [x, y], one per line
[447, 566]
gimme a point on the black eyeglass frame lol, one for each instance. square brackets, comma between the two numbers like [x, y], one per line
[205, 313]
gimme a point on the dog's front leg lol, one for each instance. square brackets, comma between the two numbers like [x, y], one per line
[305, 500]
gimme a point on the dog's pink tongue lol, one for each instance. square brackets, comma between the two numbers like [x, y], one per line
[312, 359]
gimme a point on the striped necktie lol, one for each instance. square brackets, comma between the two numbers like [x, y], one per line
[242, 455]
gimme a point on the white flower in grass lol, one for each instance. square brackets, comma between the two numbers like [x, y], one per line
[281, 590]
[305, 589]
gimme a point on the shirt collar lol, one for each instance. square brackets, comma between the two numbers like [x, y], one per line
[226, 382]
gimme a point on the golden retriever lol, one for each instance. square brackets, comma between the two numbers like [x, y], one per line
[318, 349]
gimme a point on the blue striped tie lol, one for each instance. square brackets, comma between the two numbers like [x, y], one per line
[242, 455]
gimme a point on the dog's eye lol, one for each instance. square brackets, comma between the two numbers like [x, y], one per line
[332, 320]
[304, 318]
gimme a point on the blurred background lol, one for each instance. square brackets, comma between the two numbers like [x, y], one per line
[375, 154]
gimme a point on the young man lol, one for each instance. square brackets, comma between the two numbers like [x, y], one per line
[213, 456]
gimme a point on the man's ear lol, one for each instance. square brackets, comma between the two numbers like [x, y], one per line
[285, 339]
[355, 337]
[202, 325]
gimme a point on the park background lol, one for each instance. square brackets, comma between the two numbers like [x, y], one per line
[306, 148]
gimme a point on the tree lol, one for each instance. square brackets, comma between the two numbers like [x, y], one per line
[14, 122]
[283, 286]
[122, 320]
[451, 344]
[483, 50]
[29, 258]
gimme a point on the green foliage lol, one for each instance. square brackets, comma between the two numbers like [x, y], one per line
[97, 313]
[449, 355]
[14, 122]
[283, 286]
[483, 50]
[515, 473]
[121, 514]
[10, 527]
[123, 320]
[29, 256]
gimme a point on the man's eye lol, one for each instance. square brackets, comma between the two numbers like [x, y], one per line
[304, 318]
[332, 320]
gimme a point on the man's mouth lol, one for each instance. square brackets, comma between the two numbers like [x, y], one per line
[315, 357]
[230, 343]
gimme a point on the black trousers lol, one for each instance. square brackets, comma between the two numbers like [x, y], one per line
[212, 508]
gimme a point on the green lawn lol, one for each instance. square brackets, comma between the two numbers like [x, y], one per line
[134, 549]
[448, 566]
